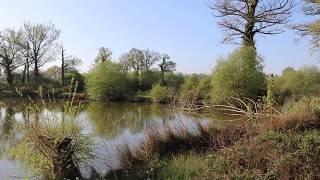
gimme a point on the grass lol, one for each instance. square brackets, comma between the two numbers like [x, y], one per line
[271, 155]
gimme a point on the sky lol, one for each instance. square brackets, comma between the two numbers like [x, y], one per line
[184, 29]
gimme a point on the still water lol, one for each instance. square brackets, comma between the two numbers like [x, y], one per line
[112, 125]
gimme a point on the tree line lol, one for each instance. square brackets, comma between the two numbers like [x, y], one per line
[30, 48]
[238, 74]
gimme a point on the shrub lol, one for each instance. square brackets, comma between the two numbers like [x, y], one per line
[305, 81]
[76, 77]
[106, 81]
[240, 75]
[174, 80]
[148, 79]
[159, 94]
[189, 91]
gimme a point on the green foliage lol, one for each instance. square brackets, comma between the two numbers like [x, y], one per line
[270, 98]
[106, 81]
[271, 155]
[189, 90]
[195, 90]
[305, 81]
[302, 105]
[240, 75]
[186, 166]
[148, 79]
[75, 76]
[159, 93]
[174, 80]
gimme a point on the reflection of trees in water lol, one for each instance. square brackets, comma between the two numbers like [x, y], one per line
[110, 119]
[26, 112]
[7, 132]
[8, 123]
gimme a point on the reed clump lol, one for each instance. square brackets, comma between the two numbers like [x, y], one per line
[53, 146]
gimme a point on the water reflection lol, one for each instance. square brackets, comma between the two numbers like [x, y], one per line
[112, 119]
[112, 124]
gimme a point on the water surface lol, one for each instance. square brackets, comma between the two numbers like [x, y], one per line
[112, 125]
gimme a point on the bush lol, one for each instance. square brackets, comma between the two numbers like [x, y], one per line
[159, 94]
[76, 77]
[189, 90]
[305, 81]
[148, 79]
[106, 81]
[174, 80]
[240, 75]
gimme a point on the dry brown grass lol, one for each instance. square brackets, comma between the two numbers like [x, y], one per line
[291, 121]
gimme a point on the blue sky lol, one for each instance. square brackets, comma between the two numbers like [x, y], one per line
[184, 29]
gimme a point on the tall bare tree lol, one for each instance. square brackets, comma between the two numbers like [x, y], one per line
[150, 58]
[41, 41]
[243, 19]
[68, 63]
[124, 61]
[311, 29]
[136, 60]
[10, 52]
[104, 54]
[27, 63]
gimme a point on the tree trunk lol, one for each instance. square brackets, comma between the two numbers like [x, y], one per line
[162, 77]
[9, 76]
[248, 37]
[28, 72]
[23, 77]
[62, 67]
[36, 70]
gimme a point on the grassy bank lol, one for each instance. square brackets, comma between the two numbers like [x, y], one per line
[283, 146]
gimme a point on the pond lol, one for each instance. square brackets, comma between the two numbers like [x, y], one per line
[112, 125]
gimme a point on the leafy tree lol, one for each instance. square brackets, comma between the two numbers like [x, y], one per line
[174, 80]
[40, 41]
[246, 18]
[71, 77]
[141, 62]
[148, 79]
[159, 93]
[306, 80]
[54, 73]
[104, 54]
[106, 81]
[240, 75]
[196, 88]
[10, 52]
